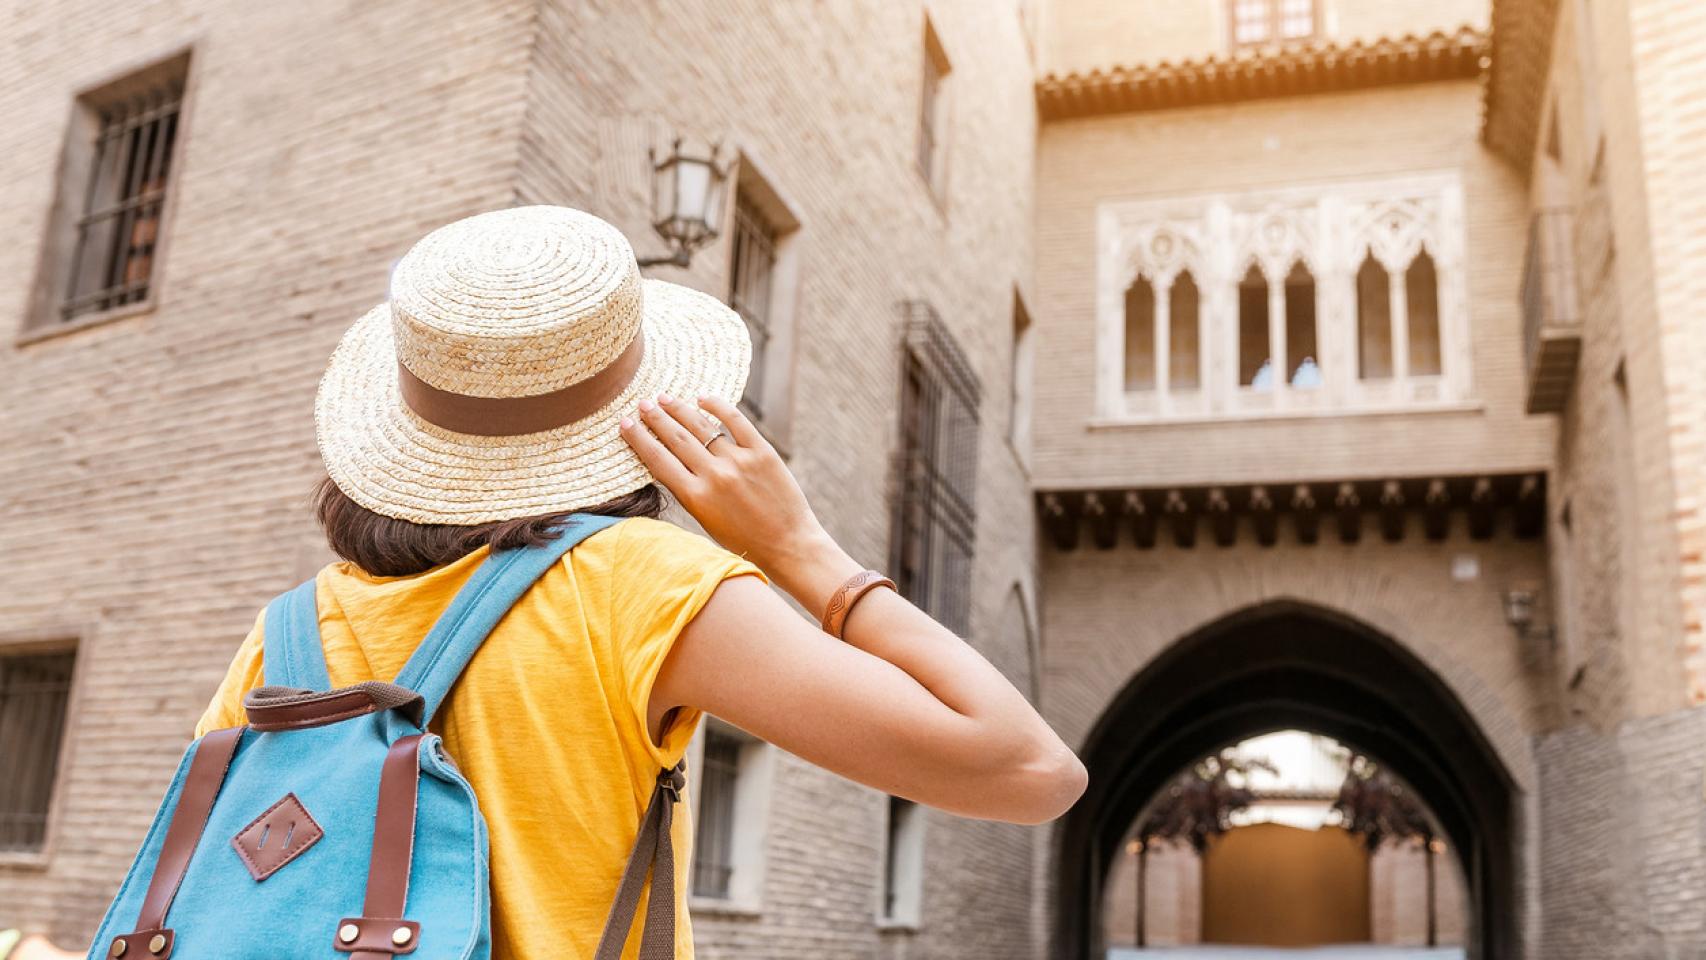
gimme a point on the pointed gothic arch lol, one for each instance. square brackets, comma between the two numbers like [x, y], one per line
[1278, 665]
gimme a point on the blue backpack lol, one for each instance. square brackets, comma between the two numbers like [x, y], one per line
[259, 849]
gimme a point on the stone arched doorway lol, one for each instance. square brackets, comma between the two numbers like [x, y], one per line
[1290, 665]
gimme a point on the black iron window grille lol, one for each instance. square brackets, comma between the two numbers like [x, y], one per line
[935, 475]
[713, 854]
[118, 229]
[750, 286]
[35, 690]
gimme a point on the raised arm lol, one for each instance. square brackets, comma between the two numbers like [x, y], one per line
[903, 705]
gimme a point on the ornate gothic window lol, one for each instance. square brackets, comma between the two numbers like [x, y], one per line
[1421, 295]
[1302, 346]
[1255, 368]
[1345, 298]
[1184, 343]
[1374, 321]
[1140, 335]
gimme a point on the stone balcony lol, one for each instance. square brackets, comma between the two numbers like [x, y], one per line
[1551, 312]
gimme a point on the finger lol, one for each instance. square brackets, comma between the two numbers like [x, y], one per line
[687, 449]
[735, 422]
[665, 468]
[694, 420]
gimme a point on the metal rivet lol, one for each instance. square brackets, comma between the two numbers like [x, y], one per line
[348, 932]
[401, 935]
[157, 943]
[118, 947]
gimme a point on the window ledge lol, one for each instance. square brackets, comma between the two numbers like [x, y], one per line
[1328, 413]
[35, 333]
[892, 925]
[19, 860]
[719, 907]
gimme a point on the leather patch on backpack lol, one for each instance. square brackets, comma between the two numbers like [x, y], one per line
[276, 837]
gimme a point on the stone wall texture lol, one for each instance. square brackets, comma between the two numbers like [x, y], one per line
[1591, 713]
[157, 468]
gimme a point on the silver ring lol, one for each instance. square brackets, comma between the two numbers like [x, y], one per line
[721, 433]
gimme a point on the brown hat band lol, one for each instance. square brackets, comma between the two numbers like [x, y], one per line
[513, 416]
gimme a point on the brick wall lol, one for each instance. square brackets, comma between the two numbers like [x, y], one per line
[1666, 40]
[157, 468]
[1622, 871]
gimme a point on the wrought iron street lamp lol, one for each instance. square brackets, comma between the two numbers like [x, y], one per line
[687, 201]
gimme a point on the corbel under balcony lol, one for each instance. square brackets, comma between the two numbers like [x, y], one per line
[1345, 510]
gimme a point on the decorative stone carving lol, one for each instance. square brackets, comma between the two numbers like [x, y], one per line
[1329, 229]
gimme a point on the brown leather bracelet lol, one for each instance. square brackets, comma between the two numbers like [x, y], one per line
[842, 600]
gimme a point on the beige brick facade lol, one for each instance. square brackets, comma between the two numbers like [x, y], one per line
[156, 467]
[1578, 711]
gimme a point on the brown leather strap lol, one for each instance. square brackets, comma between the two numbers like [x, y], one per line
[653, 849]
[842, 600]
[189, 819]
[271, 709]
[393, 839]
[369, 936]
[512, 416]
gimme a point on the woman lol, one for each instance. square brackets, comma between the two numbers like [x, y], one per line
[523, 370]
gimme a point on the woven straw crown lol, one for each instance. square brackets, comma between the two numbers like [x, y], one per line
[515, 302]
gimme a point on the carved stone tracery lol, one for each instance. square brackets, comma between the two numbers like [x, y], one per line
[1330, 230]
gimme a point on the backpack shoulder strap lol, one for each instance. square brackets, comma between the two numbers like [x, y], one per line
[653, 851]
[495, 587]
[290, 642]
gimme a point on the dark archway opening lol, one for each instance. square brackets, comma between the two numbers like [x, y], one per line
[1289, 665]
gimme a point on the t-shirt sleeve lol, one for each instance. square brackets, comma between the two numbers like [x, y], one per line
[244, 674]
[663, 577]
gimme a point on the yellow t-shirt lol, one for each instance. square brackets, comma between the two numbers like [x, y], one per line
[548, 722]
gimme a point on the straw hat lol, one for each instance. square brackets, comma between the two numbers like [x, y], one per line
[490, 385]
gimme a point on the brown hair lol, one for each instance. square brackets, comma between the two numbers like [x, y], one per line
[387, 547]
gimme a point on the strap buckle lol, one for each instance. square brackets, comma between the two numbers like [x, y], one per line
[674, 780]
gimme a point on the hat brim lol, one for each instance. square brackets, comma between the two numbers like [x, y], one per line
[386, 458]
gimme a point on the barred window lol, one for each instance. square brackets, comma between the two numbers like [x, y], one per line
[113, 256]
[719, 771]
[105, 233]
[936, 472]
[750, 289]
[35, 689]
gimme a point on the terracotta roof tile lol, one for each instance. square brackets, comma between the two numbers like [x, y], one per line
[1264, 72]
